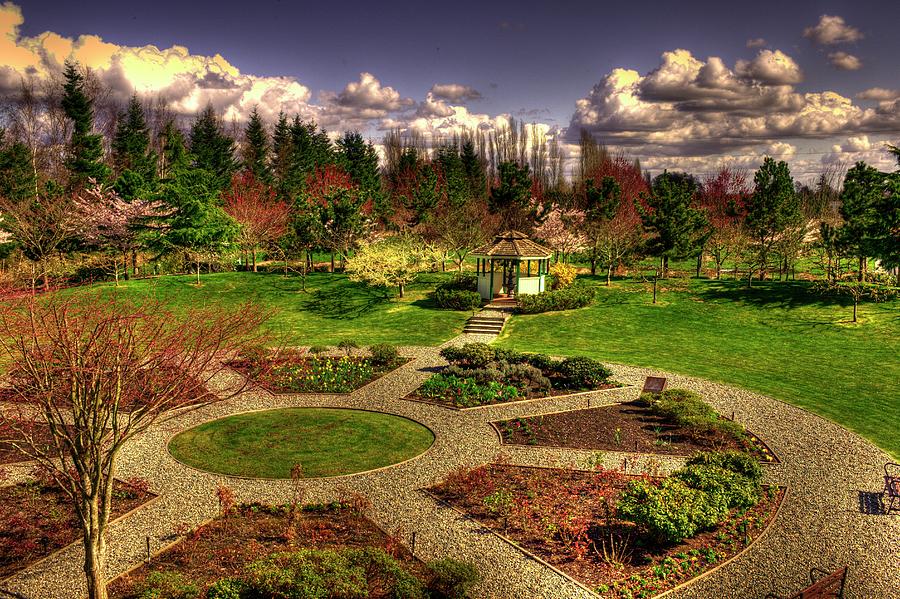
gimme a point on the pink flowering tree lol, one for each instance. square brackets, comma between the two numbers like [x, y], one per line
[563, 229]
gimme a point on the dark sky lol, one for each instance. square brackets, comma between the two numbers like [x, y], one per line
[533, 60]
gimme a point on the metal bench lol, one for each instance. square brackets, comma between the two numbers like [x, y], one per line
[891, 486]
[830, 586]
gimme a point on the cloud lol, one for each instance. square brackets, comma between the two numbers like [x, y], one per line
[689, 106]
[365, 98]
[832, 30]
[433, 107]
[844, 61]
[756, 42]
[454, 92]
[771, 68]
[879, 94]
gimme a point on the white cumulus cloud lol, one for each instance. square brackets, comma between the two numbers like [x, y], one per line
[844, 61]
[832, 30]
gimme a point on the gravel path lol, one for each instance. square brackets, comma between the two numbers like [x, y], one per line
[820, 524]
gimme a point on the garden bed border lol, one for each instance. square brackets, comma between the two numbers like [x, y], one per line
[156, 496]
[528, 554]
[516, 402]
[495, 425]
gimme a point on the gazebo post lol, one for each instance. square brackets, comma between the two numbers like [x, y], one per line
[518, 275]
[491, 287]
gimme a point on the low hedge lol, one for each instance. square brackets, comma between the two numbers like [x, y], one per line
[576, 296]
[686, 408]
[461, 293]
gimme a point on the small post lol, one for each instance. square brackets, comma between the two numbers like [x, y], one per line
[148, 549]
[635, 445]
[412, 546]
[732, 416]
[655, 278]
[625, 469]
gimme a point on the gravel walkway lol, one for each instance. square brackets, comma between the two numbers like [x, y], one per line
[820, 524]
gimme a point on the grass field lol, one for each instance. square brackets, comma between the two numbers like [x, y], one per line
[777, 338]
[331, 309]
[327, 442]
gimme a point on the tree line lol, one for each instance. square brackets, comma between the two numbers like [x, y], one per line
[144, 193]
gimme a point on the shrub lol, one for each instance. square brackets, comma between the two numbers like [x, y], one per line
[737, 491]
[542, 362]
[168, 585]
[399, 583]
[576, 296]
[477, 355]
[502, 354]
[227, 588]
[451, 579]
[383, 354]
[582, 372]
[481, 375]
[563, 275]
[671, 511]
[735, 461]
[687, 409]
[456, 299]
[348, 345]
[318, 349]
[524, 376]
[317, 573]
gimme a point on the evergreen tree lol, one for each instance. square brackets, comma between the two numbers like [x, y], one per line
[255, 152]
[309, 149]
[772, 209]
[174, 152]
[133, 160]
[453, 171]
[677, 229]
[860, 200]
[511, 197]
[474, 168]
[282, 149]
[17, 178]
[211, 149]
[85, 150]
[360, 160]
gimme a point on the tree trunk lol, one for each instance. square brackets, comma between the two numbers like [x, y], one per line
[718, 269]
[401, 290]
[134, 266]
[862, 269]
[609, 274]
[332, 261]
[855, 305]
[593, 265]
[124, 267]
[94, 551]
[198, 271]
[699, 263]
[253, 253]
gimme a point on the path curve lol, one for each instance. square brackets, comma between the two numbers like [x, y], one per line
[820, 524]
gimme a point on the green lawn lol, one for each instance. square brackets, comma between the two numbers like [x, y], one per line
[326, 441]
[331, 309]
[777, 339]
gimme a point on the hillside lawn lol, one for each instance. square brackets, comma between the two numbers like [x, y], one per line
[777, 338]
[331, 309]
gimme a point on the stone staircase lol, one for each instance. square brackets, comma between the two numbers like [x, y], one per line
[486, 322]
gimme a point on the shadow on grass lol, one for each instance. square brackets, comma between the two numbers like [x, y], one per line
[783, 294]
[342, 300]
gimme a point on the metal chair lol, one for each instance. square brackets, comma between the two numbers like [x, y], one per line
[891, 486]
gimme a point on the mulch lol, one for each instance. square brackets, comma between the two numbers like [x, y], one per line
[223, 547]
[628, 427]
[37, 519]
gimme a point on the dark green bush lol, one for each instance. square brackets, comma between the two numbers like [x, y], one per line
[671, 511]
[582, 372]
[168, 585]
[735, 461]
[576, 296]
[542, 362]
[348, 345]
[524, 376]
[686, 408]
[477, 355]
[737, 491]
[318, 349]
[481, 375]
[451, 579]
[383, 354]
[456, 299]
[227, 588]
[502, 354]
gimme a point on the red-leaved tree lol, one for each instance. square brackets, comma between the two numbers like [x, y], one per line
[723, 195]
[97, 372]
[254, 205]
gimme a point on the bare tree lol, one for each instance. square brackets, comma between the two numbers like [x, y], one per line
[96, 373]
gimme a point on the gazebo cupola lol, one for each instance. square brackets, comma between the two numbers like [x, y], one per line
[511, 265]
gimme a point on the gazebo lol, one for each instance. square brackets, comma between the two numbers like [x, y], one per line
[511, 265]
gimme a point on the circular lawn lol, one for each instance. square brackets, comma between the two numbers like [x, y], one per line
[325, 441]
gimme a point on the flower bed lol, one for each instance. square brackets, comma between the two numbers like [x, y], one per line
[37, 518]
[635, 426]
[623, 536]
[480, 374]
[314, 551]
[301, 372]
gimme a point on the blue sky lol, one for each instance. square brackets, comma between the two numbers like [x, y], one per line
[532, 60]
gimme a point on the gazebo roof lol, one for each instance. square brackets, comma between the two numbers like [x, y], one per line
[513, 244]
